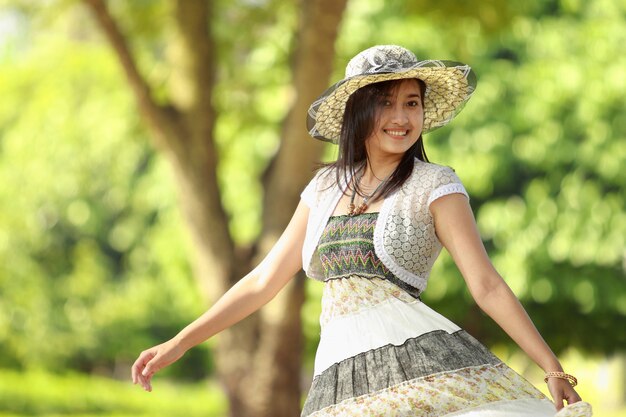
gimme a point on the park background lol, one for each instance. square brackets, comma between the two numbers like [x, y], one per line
[151, 151]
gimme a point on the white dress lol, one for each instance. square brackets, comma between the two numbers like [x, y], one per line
[383, 352]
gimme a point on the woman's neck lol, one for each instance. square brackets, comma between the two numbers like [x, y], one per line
[378, 170]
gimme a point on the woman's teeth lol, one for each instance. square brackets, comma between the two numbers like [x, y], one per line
[396, 132]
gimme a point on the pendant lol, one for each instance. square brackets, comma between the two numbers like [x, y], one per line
[355, 211]
[351, 209]
[361, 209]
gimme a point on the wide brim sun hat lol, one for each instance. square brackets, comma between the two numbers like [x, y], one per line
[449, 85]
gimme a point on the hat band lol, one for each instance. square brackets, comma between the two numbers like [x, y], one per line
[388, 66]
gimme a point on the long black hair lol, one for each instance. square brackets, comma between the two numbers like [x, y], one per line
[359, 121]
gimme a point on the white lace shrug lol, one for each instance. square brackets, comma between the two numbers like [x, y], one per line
[404, 236]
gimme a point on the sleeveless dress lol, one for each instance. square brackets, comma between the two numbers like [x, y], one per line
[383, 352]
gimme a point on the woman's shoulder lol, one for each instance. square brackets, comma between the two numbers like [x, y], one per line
[323, 182]
[325, 177]
[431, 173]
[428, 177]
[431, 168]
[436, 181]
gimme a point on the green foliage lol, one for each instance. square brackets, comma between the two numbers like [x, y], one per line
[252, 96]
[93, 259]
[553, 215]
[540, 148]
[42, 394]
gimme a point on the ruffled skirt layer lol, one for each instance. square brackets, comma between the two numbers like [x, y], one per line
[384, 353]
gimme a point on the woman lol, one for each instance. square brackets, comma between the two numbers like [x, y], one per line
[371, 226]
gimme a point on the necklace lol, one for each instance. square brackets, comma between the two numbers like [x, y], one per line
[354, 210]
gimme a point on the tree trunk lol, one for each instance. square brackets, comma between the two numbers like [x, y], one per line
[258, 360]
[272, 387]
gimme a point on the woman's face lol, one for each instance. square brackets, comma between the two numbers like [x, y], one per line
[399, 123]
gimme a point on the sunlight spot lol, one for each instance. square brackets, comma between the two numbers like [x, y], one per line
[542, 290]
[78, 213]
[121, 237]
[584, 293]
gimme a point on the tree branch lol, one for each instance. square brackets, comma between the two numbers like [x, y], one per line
[160, 119]
[192, 80]
[193, 18]
[291, 168]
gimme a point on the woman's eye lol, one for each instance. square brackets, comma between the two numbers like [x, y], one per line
[413, 103]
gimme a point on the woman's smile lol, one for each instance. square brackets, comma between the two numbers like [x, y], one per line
[396, 134]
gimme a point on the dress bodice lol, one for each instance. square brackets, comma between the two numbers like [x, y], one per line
[404, 237]
[346, 249]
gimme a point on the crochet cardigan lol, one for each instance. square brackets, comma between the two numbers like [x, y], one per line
[404, 235]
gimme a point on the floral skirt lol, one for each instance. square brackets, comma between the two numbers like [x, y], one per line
[383, 352]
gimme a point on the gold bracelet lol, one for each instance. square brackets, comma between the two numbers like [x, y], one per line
[561, 375]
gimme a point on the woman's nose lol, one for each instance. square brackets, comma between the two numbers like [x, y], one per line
[399, 115]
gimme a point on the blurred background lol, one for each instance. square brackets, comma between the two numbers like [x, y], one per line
[151, 151]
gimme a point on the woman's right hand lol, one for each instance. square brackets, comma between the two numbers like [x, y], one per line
[251, 293]
[153, 360]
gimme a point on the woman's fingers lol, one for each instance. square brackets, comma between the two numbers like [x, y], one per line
[561, 391]
[152, 366]
[556, 390]
[137, 370]
[558, 402]
[572, 396]
[153, 360]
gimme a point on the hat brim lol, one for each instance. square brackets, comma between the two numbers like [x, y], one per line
[449, 85]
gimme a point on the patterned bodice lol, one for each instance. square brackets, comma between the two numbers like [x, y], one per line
[346, 249]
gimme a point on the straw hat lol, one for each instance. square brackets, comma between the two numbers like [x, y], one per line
[448, 87]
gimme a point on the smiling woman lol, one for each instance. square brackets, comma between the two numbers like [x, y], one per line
[370, 227]
[382, 350]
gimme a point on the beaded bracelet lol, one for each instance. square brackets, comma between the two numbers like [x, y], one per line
[561, 375]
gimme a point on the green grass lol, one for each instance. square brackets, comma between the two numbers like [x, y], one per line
[36, 393]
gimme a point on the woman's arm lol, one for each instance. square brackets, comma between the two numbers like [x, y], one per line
[457, 231]
[247, 296]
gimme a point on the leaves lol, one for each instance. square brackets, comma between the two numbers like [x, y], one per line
[88, 217]
[93, 258]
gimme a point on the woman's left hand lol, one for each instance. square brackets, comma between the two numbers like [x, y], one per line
[561, 390]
